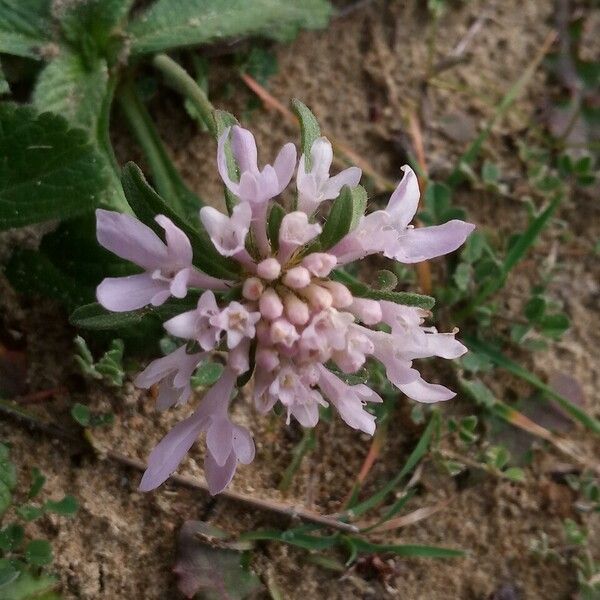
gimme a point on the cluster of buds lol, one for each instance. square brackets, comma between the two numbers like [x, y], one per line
[295, 326]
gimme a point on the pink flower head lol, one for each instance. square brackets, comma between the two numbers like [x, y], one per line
[288, 316]
[315, 186]
[168, 269]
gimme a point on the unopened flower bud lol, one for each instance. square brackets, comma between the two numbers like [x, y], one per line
[319, 263]
[367, 310]
[253, 288]
[339, 293]
[268, 269]
[296, 310]
[283, 332]
[297, 278]
[270, 304]
[318, 297]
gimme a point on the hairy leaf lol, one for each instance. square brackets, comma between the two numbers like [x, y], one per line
[344, 215]
[47, 169]
[309, 128]
[69, 87]
[25, 27]
[30, 587]
[169, 24]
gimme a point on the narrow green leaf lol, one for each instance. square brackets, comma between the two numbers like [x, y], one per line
[25, 27]
[293, 538]
[362, 290]
[38, 553]
[529, 236]
[47, 169]
[345, 213]
[146, 204]
[4, 87]
[413, 460]
[95, 316]
[407, 550]
[502, 361]
[194, 22]
[274, 223]
[309, 129]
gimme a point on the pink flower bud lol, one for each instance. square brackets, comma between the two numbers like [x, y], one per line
[270, 305]
[339, 292]
[318, 297]
[267, 359]
[297, 278]
[367, 310]
[295, 310]
[319, 263]
[253, 288]
[269, 269]
[283, 332]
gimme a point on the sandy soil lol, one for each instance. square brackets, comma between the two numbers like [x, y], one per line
[361, 78]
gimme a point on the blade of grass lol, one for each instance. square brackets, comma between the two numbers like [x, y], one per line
[408, 550]
[413, 460]
[467, 159]
[514, 255]
[500, 360]
[413, 517]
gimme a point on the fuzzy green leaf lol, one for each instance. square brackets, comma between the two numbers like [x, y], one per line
[274, 223]
[11, 537]
[37, 482]
[25, 27]
[207, 374]
[309, 129]
[31, 587]
[47, 169]
[73, 89]
[344, 215]
[95, 316]
[166, 25]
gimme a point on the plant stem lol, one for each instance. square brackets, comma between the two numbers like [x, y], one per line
[178, 78]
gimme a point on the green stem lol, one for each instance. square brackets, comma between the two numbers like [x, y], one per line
[166, 178]
[178, 78]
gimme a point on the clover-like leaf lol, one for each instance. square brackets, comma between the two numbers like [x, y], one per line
[25, 27]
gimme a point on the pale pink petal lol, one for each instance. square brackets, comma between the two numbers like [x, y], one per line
[243, 445]
[219, 439]
[217, 477]
[350, 177]
[404, 202]
[228, 234]
[284, 165]
[184, 325]
[244, 150]
[120, 294]
[171, 450]
[178, 244]
[321, 155]
[306, 413]
[130, 239]
[238, 359]
[423, 243]
[422, 391]
[200, 280]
